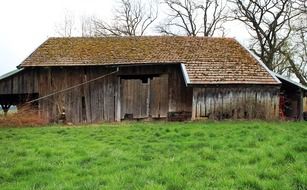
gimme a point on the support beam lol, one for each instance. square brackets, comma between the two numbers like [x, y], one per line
[300, 106]
[117, 101]
[5, 108]
[194, 102]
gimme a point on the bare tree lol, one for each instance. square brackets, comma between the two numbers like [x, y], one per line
[132, 18]
[87, 26]
[66, 28]
[193, 18]
[217, 10]
[295, 52]
[302, 6]
[268, 22]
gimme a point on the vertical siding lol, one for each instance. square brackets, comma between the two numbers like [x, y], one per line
[98, 96]
[180, 96]
[305, 104]
[159, 96]
[248, 102]
[134, 98]
[102, 98]
[23, 82]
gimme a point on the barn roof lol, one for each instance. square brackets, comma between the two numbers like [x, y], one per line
[9, 74]
[288, 80]
[207, 60]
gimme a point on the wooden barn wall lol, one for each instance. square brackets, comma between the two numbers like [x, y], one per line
[88, 103]
[236, 102]
[24, 82]
[134, 98]
[292, 101]
[140, 99]
[179, 96]
[145, 99]
[305, 104]
[98, 101]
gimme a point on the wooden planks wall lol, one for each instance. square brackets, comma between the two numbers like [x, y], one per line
[145, 99]
[159, 99]
[24, 82]
[92, 102]
[180, 96]
[305, 104]
[236, 102]
[100, 100]
[134, 98]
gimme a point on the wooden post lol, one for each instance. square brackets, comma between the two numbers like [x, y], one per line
[148, 98]
[5, 108]
[117, 101]
[300, 105]
[194, 104]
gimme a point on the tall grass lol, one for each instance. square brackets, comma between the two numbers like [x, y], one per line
[173, 156]
[25, 116]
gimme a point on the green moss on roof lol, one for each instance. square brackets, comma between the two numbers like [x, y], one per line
[208, 60]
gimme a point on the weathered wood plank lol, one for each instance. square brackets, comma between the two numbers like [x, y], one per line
[235, 102]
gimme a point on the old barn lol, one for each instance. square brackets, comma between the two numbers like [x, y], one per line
[175, 78]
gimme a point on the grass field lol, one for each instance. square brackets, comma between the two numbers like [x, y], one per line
[173, 156]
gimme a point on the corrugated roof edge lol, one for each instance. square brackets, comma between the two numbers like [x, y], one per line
[6, 75]
[291, 81]
[260, 62]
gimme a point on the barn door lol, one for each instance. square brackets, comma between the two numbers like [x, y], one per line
[159, 96]
[134, 98]
[145, 97]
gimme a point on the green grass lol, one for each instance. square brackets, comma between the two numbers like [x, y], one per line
[195, 155]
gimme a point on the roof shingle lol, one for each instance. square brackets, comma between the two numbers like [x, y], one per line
[207, 60]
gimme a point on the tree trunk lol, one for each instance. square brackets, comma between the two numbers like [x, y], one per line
[297, 73]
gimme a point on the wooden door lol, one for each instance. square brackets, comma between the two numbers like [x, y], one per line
[143, 98]
[134, 98]
[159, 96]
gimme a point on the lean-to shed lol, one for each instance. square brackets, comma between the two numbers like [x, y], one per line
[174, 78]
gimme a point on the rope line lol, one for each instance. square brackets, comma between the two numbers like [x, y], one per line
[72, 87]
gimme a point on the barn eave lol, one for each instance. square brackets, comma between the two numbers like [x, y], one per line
[259, 61]
[293, 83]
[11, 73]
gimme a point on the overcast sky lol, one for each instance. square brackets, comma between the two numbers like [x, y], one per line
[25, 24]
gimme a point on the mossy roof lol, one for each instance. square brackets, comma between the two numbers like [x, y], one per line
[208, 60]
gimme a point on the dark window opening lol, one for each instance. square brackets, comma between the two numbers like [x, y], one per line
[85, 74]
[144, 80]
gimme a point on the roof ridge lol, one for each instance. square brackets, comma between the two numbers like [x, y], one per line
[147, 36]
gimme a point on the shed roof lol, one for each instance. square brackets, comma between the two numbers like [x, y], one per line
[207, 60]
[11, 73]
[298, 85]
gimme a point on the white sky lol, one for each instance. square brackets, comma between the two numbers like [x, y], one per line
[25, 24]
